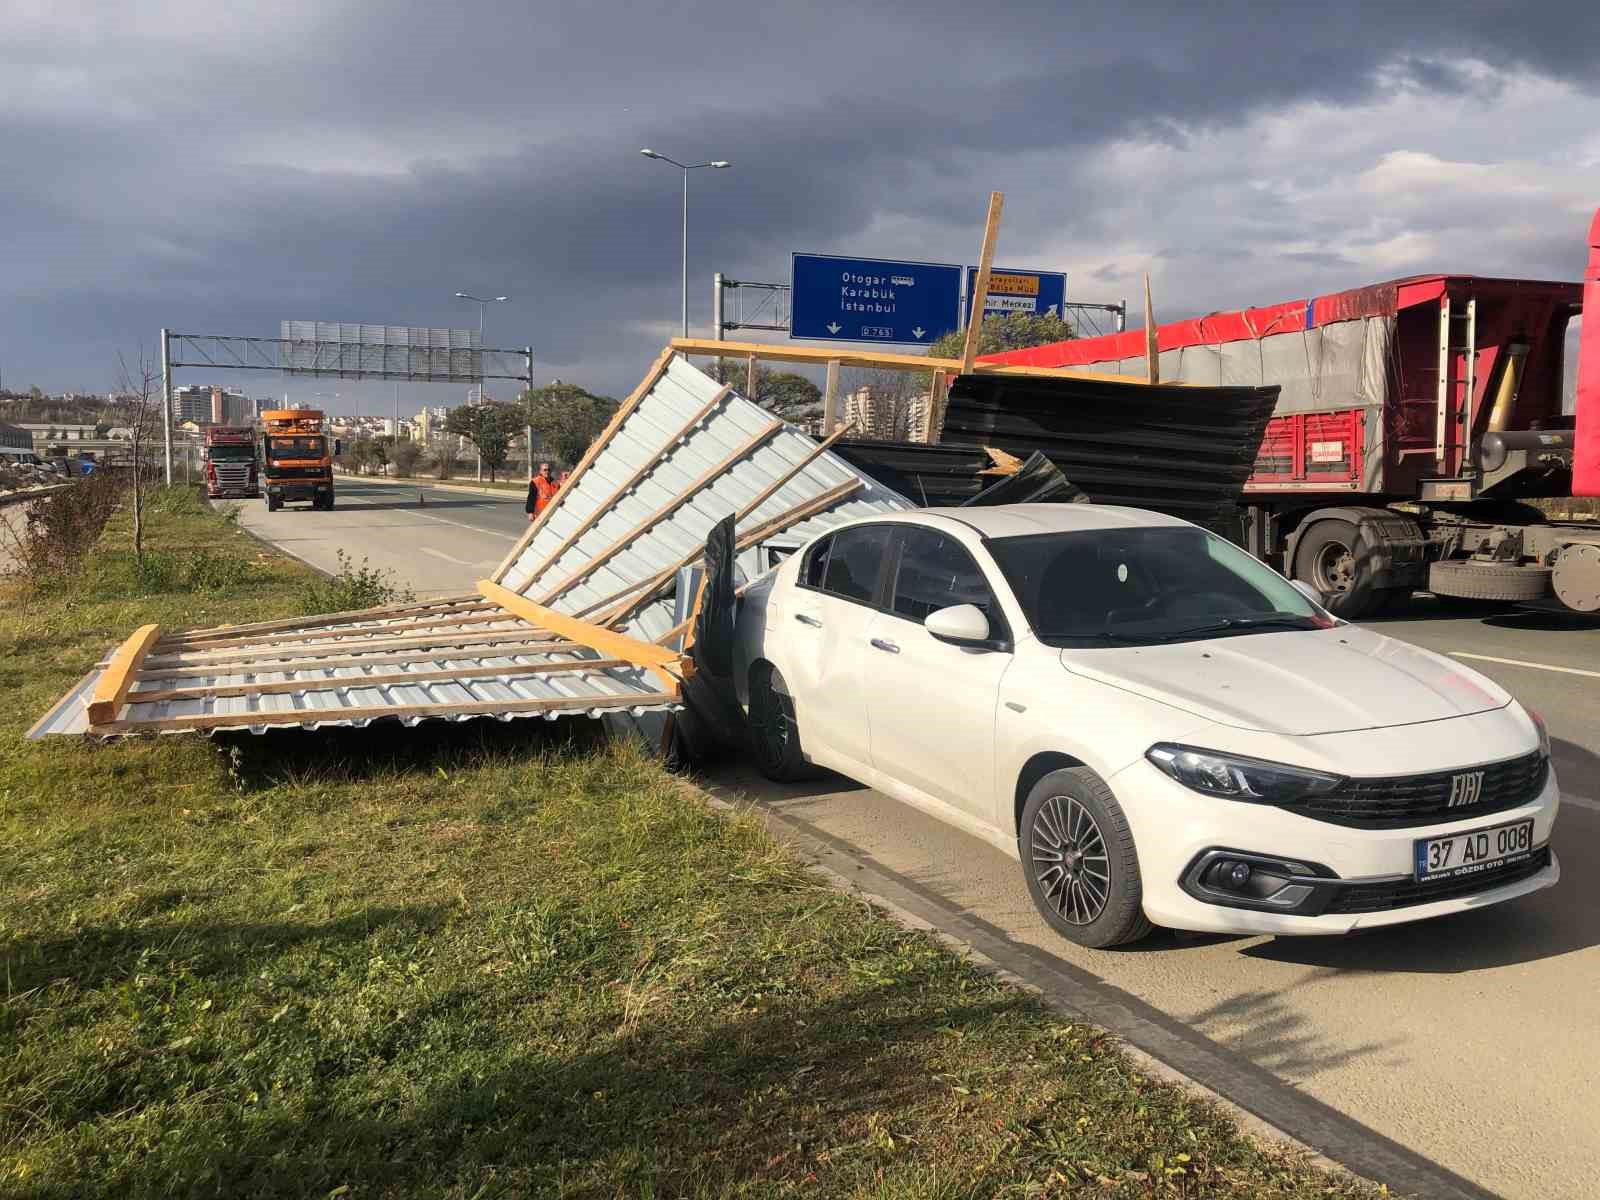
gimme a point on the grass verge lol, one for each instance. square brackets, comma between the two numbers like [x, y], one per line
[490, 960]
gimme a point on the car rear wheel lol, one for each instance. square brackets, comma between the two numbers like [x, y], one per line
[774, 732]
[1080, 862]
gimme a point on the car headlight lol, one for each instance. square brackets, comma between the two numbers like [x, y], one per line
[1544, 733]
[1235, 777]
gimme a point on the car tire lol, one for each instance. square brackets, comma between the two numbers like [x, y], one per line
[1072, 812]
[774, 731]
[1329, 559]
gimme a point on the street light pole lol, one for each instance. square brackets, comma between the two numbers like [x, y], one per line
[483, 303]
[683, 291]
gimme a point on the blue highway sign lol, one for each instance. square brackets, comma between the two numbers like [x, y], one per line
[1033, 292]
[872, 299]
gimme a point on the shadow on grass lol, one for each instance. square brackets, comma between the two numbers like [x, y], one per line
[96, 955]
[259, 762]
[665, 1109]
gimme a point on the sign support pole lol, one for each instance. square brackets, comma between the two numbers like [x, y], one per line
[830, 399]
[166, 405]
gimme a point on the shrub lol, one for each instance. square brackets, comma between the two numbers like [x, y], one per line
[62, 527]
[204, 571]
[352, 587]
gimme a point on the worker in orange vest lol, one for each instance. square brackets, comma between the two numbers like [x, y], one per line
[540, 490]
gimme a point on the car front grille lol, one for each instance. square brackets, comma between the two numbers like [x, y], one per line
[297, 473]
[1405, 800]
[232, 475]
[1404, 893]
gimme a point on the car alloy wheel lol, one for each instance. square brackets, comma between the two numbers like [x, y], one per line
[774, 731]
[1070, 860]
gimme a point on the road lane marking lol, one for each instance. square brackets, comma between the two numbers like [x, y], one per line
[508, 537]
[1517, 662]
[460, 562]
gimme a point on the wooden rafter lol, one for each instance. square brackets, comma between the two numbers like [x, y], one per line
[291, 638]
[344, 683]
[778, 352]
[334, 649]
[709, 476]
[980, 286]
[313, 716]
[435, 607]
[664, 664]
[624, 411]
[112, 687]
[605, 506]
[267, 666]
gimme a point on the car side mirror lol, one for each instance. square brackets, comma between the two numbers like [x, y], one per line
[1306, 590]
[960, 625]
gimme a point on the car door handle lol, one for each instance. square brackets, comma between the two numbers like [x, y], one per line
[805, 619]
[880, 644]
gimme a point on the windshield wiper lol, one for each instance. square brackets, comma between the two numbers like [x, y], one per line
[1275, 621]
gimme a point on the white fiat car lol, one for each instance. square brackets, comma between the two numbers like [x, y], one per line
[1163, 730]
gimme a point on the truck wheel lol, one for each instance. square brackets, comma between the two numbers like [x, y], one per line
[773, 729]
[274, 503]
[1079, 860]
[1488, 581]
[1329, 558]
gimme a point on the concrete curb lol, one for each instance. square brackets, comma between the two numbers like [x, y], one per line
[23, 495]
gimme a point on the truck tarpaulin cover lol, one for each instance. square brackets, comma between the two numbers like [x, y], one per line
[1181, 450]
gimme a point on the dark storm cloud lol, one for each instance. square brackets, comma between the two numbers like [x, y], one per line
[219, 174]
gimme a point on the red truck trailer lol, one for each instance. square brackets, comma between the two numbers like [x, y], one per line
[1416, 419]
[230, 452]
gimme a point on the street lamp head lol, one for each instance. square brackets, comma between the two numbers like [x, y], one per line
[721, 163]
[462, 296]
[502, 297]
[649, 153]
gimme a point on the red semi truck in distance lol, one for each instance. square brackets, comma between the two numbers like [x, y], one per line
[1416, 419]
[294, 452]
[230, 460]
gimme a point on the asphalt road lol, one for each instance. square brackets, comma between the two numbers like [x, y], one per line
[1473, 1041]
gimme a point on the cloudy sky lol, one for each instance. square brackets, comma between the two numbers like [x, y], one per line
[215, 168]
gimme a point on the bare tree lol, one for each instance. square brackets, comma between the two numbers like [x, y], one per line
[138, 381]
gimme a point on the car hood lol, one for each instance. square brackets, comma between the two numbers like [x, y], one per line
[1296, 682]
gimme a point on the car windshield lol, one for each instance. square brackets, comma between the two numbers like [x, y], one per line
[230, 453]
[294, 447]
[1166, 583]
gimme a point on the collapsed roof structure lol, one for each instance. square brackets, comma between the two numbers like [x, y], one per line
[578, 620]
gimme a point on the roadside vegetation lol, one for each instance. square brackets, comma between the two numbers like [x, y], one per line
[483, 960]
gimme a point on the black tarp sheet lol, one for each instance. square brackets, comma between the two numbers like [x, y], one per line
[1186, 451]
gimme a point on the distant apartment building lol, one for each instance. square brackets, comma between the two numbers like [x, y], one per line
[881, 416]
[211, 405]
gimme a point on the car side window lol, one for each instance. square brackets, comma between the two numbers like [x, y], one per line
[853, 564]
[815, 566]
[935, 571]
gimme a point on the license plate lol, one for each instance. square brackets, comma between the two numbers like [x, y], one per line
[1474, 851]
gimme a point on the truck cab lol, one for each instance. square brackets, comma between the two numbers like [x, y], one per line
[230, 462]
[296, 460]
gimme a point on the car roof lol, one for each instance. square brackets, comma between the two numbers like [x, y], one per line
[1020, 520]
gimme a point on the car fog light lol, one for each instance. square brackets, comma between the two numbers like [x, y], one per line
[1238, 875]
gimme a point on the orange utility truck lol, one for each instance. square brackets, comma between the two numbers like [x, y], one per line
[297, 462]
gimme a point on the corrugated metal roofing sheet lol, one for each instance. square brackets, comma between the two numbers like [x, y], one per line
[690, 453]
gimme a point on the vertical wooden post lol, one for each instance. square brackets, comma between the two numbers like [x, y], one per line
[1152, 344]
[980, 289]
[936, 386]
[830, 399]
[750, 379]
